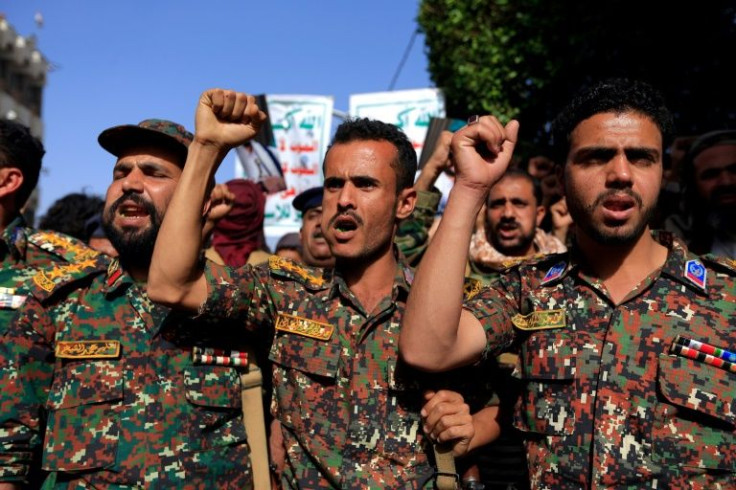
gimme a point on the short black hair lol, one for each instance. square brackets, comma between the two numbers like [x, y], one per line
[20, 149]
[364, 129]
[71, 215]
[616, 95]
[515, 172]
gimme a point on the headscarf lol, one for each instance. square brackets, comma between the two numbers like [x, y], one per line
[240, 232]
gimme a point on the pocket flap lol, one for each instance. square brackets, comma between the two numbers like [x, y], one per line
[86, 382]
[311, 356]
[213, 386]
[698, 386]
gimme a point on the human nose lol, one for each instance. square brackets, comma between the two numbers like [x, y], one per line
[619, 172]
[345, 198]
[133, 182]
[508, 210]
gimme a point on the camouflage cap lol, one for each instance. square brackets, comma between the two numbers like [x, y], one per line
[150, 132]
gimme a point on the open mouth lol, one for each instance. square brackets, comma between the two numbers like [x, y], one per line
[345, 224]
[618, 207]
[130, 210]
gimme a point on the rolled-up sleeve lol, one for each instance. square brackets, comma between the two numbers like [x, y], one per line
[494, 306]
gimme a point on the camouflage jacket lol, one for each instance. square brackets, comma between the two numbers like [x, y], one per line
[349, 408]
[412, 235]
[605, 404]
[117, 386]
[23, 251]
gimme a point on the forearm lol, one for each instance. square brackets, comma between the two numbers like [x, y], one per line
[175, 277]
[430, 335]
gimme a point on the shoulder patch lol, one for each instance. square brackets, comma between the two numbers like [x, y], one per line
[66, 247]
[307, 275]
[555, 272]
[696, 273]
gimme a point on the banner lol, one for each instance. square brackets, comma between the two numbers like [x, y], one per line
[301, 126]
[410, 110]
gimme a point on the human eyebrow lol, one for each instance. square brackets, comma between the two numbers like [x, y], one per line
[593, 154]
[333, 182]
[638, 154]
[364, 181]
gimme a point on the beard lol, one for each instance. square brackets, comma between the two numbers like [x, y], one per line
[515, 248]
[624, 234]
[134, 246]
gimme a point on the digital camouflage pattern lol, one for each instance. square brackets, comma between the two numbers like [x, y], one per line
[23, 251]
[604, 403]
[412, 234]
[348, 407]
[113, 380]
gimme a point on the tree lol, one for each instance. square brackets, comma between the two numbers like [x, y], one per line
[524, 59]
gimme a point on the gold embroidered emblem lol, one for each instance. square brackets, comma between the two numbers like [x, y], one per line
[43, 281]
[471, 287]
[281, 264]
[540, 320]
[88, 349]
[304, 326]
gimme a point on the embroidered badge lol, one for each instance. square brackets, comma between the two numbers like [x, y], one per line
[304, 326]
[540, 320]
[219, 357]
[696, 273]
[88, 349]
[555, 272]
[8, 298]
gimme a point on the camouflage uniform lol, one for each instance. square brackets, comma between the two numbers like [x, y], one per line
[22, 252]
[349, 408]
[113, 380]
[604, 403]
[412, 234]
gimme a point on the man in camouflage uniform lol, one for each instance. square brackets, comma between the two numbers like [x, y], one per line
[129, 394]
[24, 250]
[349, 408]
[609, 399]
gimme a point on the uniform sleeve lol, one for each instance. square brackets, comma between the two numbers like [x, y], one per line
[413, 233]
[494, 306]
[26, 372]
[236, 294]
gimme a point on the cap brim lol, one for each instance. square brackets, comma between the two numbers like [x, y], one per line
[117, 140]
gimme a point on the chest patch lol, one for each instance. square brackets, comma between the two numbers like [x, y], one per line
[304, 326]
[88, 349]
[540, 320]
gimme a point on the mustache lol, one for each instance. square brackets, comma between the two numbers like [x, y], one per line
[351, 214]
[617, 192]
[135, 198]
[722, 191]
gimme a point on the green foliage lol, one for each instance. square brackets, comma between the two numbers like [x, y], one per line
[524, 59]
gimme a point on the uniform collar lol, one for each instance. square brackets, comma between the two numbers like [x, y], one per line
[13, 240]
[682, 265]
[116, 277]
[403, 278]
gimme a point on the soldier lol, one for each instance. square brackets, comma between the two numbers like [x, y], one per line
[126, 393]
[611, 396]
[315, 251]
[349, 408]
[24, 250]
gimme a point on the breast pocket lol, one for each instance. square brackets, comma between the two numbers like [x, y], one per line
[304, 368]
[214, 395]
[695, 421]
[82, 428]
[548, 369]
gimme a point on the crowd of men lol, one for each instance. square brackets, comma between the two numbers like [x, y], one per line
[598, 353]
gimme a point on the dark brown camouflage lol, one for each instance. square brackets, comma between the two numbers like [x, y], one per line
[604, 403]
[131, 407]
[349, 408]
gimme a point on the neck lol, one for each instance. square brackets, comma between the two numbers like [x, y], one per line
[369, 280]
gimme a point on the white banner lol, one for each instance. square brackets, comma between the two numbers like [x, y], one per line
[410, 110]
[301, 128]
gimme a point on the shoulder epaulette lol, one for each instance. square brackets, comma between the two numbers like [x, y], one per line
[471, 287]
[68, 248]
[720, 262]
[50, 279]
[309, 276]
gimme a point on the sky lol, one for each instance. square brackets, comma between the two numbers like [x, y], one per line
[123, 62]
